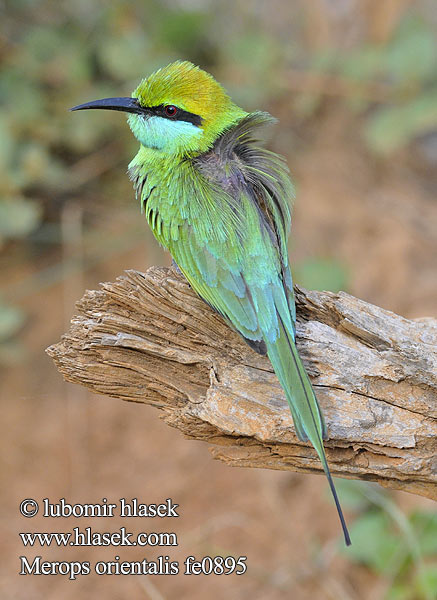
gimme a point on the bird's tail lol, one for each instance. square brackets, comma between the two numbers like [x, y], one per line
[307, 416]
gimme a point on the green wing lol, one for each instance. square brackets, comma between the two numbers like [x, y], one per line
[225, 221]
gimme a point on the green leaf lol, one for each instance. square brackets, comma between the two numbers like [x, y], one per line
[412, 55]
[7, 144]
[321, 274]
[361, 65]
[399, 591]
[374, 544]
[425, 526]
[18, 217]
[184, 31]
[325, 60]
[391, 128]
[426, 581]
[11, 319]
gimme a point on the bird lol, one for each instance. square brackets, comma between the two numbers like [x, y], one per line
[219, 202]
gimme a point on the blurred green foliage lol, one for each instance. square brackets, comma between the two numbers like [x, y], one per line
[321, 274]
[12, 320]
[55, 55]
[401, 548]
[409, 64]
[394, 85]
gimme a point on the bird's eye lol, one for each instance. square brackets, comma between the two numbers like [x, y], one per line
[170, 110]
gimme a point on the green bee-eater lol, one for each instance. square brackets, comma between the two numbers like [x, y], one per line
[219, 203]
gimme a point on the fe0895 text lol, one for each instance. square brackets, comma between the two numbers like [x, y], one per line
[215, 565]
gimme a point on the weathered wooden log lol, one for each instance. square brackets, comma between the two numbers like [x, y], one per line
[148, 338]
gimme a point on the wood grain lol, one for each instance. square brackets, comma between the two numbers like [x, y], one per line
[148, 338]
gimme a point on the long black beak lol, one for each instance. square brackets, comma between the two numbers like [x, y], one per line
[129, 105]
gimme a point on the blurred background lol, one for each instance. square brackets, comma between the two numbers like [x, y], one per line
[354, 85]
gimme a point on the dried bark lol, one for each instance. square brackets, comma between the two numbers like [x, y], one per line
[148, 338]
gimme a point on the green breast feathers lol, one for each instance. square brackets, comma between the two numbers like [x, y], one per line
[224, 217]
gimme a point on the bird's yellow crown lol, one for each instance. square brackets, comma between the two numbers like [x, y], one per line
[189, 88]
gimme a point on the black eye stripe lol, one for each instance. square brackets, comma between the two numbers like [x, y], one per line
[180, 115]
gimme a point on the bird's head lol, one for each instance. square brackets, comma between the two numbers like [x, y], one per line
[179, 109]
